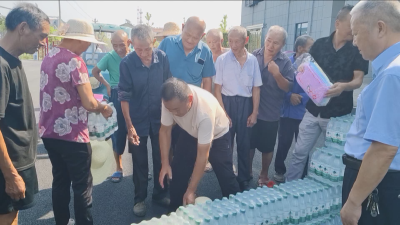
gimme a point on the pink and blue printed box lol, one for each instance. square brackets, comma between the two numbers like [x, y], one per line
[314, 82]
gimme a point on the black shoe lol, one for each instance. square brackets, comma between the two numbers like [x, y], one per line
[244, 186]
[163, 201]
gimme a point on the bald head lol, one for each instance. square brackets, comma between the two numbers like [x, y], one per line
[215, 33]
[194, 22]
[119, 35]
[371, 12]
[120, 42]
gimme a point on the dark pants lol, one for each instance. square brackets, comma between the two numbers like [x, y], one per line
[71, 163]
[389, 199]
[182, 165]
[141, 168]
[239, 109]
[288, 128]
[119, 136]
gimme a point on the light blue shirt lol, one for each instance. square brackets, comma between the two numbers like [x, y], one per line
[235, 79]
[192, 68]
[378, 108]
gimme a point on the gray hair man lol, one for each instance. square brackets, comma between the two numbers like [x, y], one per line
[214, 39]
[204, 135]
[237, 88]
[343, 64]
[372, 159]
[142, 74]
[293, 110]
[27, 29]
[277, 76]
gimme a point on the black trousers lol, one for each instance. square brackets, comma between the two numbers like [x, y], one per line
[71, 163]
[389, 199]
[183, 162]
[239, 109]
[288, 128]
[141, 168]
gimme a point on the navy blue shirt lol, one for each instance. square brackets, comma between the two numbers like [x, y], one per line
[295, 111]
[141, 87]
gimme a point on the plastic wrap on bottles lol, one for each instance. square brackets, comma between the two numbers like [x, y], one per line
[313, 80]
[101, 128]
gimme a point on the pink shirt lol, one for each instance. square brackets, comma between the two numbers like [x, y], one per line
[62, 115]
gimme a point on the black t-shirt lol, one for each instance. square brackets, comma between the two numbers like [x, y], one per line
[17, 117]
[339, 66]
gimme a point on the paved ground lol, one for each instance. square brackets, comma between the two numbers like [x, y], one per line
[112, 203]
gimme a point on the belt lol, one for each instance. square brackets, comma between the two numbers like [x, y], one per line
[355, 164]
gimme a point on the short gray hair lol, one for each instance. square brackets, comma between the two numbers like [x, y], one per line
[175, 88]
[142, 32]
[215, 32]
[301, 41]
[280, 29]
[240, 30]
[370, 12]
[26, 12]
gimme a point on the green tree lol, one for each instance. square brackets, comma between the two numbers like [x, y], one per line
[224, 24]
[52, 38]
[148, 17]
[2, 23]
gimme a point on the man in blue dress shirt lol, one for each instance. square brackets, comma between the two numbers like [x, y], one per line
[142, 74]
[372, 156]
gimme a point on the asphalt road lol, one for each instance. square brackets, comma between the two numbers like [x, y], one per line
[112, 203]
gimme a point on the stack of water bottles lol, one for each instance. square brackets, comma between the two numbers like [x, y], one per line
[304, 202]
[326, 162]
[101, 128]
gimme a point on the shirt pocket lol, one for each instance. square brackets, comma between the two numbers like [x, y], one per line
[194, 70]
[247, 79]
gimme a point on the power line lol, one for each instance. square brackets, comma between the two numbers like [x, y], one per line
[82, 9]
[5, 7]
[75, 8]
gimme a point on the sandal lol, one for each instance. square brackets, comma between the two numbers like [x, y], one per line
[117, 177]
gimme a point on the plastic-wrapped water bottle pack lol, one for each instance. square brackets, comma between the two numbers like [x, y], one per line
[101, 128]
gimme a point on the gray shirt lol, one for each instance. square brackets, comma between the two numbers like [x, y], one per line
[271, 96]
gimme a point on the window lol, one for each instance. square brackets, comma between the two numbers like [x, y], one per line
[250, 3]
[301, 29]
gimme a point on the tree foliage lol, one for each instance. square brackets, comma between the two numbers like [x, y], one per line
[148, 18]
[224, 24]
[2, 23]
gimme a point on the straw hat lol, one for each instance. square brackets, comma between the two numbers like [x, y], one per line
[102, 160]
[169, 29]
[78, 29]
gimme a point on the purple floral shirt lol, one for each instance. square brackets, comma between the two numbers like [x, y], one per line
[62, 115]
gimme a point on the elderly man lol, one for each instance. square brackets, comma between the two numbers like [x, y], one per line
[120, 43]
[277, 76]
[27, 29]
[343, 64]
[205, 135]
[293, 110]
[214, 39]
[237, 88]
[372, 150]
[142, 74]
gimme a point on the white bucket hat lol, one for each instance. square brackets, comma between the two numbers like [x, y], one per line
[102, 160]
[79, 30]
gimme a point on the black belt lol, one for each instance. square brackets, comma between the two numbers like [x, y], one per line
[355, 164]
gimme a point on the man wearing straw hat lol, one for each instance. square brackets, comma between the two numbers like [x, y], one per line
[65, 99]
[170, 29]
[27, 28]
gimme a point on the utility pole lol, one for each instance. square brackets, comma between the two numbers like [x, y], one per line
[95, 20]
[59, 13]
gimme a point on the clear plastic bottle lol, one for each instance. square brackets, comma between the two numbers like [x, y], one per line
[330, 130]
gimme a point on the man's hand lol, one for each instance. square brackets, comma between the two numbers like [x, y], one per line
[300, 69]
[15, 187]
[108, 90]
[132, 136]
[107, 111]
[273, 68]
[350, 213]
[165, 170]
[335, 90]
[295, 99]
[252, 120]
[189, 198]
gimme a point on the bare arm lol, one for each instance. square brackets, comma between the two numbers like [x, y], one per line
[96, 72]
[338, 87]
[165, 145]
[207, 81]
[218, 95]
[256, 99]
[198, 170]
[125, 112]
[282, 82]
[6, 166]
[374, 167]
[88, 100]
